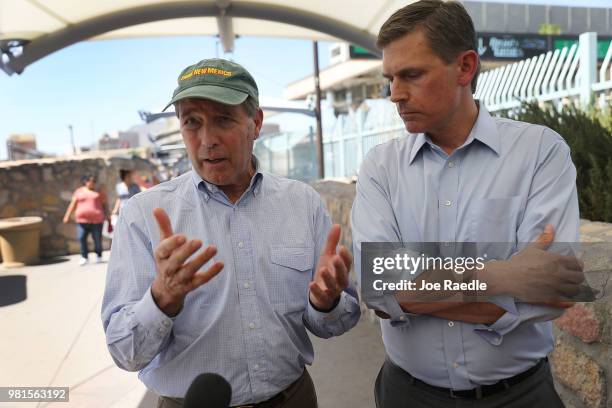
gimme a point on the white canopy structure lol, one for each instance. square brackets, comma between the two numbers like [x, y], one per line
[33, 29]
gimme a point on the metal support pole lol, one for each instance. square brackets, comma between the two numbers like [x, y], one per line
[587, 50]
[321, 168]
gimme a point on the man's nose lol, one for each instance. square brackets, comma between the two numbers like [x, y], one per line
[209, 137]
[397, 92]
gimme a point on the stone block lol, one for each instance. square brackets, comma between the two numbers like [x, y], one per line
[50, 199]
[580, 373]
[582, 322]
[66, 230]
[595, 228]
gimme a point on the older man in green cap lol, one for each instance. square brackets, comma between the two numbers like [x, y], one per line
[272, 270]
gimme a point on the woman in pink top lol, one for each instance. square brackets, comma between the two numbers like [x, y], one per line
[90, 211]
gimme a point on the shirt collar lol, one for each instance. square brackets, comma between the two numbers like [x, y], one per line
[484, 130]
[209, 189]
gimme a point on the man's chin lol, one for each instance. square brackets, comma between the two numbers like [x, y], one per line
[414, 127]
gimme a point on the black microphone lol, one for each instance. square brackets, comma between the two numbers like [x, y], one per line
[208, 391]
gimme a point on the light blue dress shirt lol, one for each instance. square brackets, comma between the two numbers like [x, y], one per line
[504, 184]
[247, 324]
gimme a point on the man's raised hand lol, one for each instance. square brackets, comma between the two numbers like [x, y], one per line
[175, 276]
[332, 274]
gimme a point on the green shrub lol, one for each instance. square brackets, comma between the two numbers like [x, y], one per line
[589, 136]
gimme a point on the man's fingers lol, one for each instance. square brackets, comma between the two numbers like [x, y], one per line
[571, 276]
[341, 273]
[180, 255]
[163, 222]
[546, 237]
[169, 245]
[346, 257]
[568, 290]
[201, 278]
[330, 282]
[571, 262]
[200, 259]
[332, 239]
[317, 291]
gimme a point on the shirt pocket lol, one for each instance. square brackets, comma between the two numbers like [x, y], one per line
[495, 220]
[289, 275]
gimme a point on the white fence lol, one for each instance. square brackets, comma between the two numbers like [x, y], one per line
[569, 74]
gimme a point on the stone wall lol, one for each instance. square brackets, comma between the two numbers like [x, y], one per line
[44, 188]
[582, 359]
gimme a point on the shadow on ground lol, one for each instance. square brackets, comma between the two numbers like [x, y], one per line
[12, 289]
[51, 261]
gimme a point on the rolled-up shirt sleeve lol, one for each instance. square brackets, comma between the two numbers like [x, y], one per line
[136, 329]
[347, 312]
[373, 220]
[553, 199]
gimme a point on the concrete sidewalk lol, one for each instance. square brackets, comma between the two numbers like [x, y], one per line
[54, 338]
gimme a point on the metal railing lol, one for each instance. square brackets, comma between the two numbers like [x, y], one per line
[568, 75]
[560, 76]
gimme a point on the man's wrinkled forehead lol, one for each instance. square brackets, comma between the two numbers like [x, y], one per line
[187, 106]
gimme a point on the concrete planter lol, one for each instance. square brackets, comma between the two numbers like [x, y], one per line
[20, 241]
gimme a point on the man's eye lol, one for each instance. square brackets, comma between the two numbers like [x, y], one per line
[190, 123]
[226, 120]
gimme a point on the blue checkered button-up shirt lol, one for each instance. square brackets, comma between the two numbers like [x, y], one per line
[249, 323]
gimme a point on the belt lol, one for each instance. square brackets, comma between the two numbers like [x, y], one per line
[482, 390]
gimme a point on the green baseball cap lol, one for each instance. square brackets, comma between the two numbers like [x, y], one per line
[216, 79]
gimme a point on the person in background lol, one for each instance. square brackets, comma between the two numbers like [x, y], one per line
[89, 206]
[125, 189]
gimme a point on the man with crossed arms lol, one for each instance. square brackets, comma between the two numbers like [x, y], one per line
[464, 176]
[276, 271]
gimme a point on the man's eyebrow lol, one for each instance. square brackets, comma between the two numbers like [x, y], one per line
[186, 112]
[403, 72]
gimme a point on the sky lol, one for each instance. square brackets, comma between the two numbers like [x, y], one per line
[99, 86]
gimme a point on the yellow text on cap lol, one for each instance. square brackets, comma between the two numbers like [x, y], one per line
[206, 70]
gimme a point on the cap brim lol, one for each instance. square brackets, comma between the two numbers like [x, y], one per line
[215, 93]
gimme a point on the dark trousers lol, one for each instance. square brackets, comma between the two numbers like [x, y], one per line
[300, 394]
[396, 389]
[83, 230]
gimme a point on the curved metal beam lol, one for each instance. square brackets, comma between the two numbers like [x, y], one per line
[49, 43]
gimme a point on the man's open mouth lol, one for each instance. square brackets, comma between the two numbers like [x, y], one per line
[214, 161]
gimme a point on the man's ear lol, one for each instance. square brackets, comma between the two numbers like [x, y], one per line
[258, 120]
[467, 65]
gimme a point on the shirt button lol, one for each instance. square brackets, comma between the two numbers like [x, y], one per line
[451, 164]
[240, 244]
[448, 203]
[451, 324]
[166, 323]
[402, 318]
[247, 285]
[455, 365]
[251, 325]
